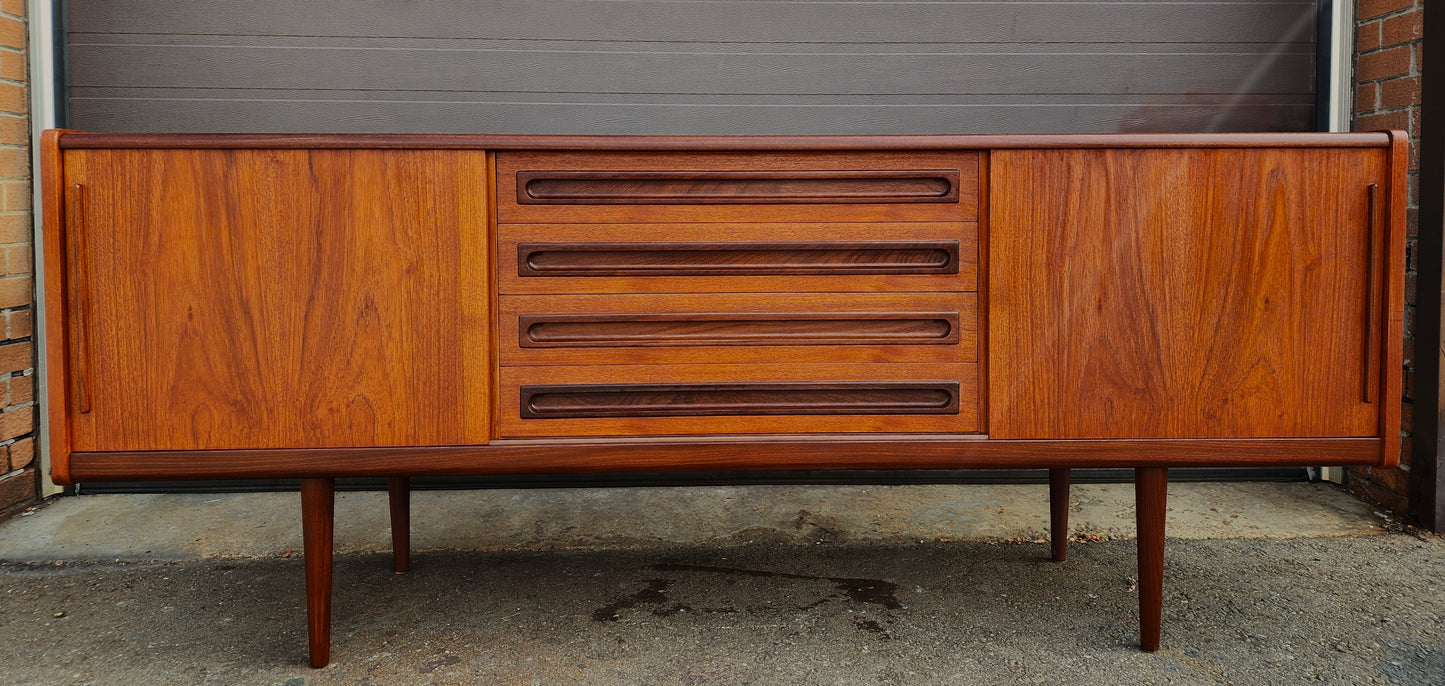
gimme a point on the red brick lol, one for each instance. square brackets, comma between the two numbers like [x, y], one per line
[12, 65]
[12, 33]
[14, 162]
[1367, 36]
[17, 259]
[1367, 98]
[17, 422]
[14, 130]
[14, 228]
[15, 357]
[1367, 9]
[12, 97]
[15, 291]
[1402, 28]
[19, 324]
[1395, 93]
[17, 196]
[1384, 64]
[22, 389]
[1388, 120]
[1391, 478]
[22, 453]
[15, 7]
[19, 489]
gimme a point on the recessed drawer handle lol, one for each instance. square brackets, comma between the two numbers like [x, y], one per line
[737, 259]
[736, 187]
[709, 329]
[712, 400]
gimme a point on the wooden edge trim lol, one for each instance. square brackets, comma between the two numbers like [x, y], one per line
[57, 401]
[984, 235]
[79, 139]
[1392, 361]
[764, 453]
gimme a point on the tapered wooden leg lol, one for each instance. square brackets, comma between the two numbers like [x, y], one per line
[398, 489]
[1151, 491]
[1059, 513]
[318, 510]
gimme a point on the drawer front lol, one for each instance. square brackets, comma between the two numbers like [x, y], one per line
[651, 400]
[715, 187]
[673, 258]
[732, 328]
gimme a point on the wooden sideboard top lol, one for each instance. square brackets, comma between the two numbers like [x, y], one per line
[79, 139]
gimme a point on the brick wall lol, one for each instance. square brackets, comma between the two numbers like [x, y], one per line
[1387, 96]
[18, 476]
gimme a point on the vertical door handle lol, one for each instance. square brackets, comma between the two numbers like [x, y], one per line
[79, 295]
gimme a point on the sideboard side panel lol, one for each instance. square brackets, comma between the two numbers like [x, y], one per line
[282, 298]
[1182, 293]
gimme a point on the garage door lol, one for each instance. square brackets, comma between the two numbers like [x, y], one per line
[690, 66]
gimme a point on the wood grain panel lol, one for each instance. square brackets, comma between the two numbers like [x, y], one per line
[1174, 294]
[760, 327]
[251, 299]
[569, 187]
[513, 167]
[511, 423]
[673, 258]
[738, 399]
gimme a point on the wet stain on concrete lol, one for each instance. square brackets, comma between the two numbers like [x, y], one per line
[876, 592]
[824, 529]
[438, 663]
[873, 627]
[655, 593]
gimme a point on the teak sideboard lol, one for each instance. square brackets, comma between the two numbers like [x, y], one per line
[322, 306]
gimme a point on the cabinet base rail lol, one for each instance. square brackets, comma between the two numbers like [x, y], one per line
[722, 453]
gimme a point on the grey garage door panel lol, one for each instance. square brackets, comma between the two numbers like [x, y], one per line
[279, 114]
[719, 72]
[710, 20]
[75, 38]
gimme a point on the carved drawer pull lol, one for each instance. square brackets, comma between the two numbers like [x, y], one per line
[731, 399]
[737, 259]
[736, 187]
[708, 329]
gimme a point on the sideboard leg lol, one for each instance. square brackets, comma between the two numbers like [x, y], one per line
[1059, 513]
[1151, 491]
[398, 488]
[318, 508]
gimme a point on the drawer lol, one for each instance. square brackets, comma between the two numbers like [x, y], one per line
[683, 399]
[676, 258]
[736, 328]
[592, 187]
